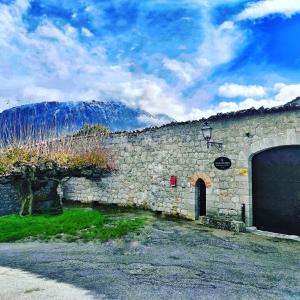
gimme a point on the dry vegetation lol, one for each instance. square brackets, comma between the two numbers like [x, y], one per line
[81, 150]
[36, 162]
[65, 158]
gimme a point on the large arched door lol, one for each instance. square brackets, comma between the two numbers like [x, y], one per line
[200, 198]
[276, 190]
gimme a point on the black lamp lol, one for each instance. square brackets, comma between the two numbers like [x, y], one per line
[207, 135]
[206, 131]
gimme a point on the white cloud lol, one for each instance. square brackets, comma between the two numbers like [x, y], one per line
[90, 9]
[283, 94]
[38, 93]
[153, 121]
[264, 8]
[22, 5]
[220, 46]
[287, 92]
[197, 113]
[183, 70]
[54, 65]
[232, 90]
[150, 95]
[86, 32]
[227, 25]
[278, 86]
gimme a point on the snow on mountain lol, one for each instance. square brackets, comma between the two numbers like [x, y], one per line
[59, 118]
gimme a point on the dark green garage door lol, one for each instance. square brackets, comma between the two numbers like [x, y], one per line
[276, 190]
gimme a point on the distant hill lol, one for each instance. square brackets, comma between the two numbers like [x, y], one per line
[59, 118]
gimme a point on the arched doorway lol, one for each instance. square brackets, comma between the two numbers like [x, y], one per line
[200, 198]
[276, 190]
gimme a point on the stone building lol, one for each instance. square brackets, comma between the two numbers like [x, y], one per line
[254, 179]
[171, 169]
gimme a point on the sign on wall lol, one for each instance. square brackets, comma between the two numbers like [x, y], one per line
[173, 181]
[222, 163]
[244, 172]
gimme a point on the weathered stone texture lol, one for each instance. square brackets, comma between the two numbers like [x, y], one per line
[9, 199]
[46, 198]
[146, 160]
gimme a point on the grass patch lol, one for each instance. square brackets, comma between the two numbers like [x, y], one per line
[72, 225]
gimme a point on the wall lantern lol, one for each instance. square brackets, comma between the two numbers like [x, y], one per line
[207, 135]
[173, 181]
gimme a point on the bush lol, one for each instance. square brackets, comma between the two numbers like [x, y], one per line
[95, 129]
[96, 158]
[10, 156]
[68, 158]
[3, 167]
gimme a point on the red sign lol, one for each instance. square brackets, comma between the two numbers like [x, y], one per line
[173, 181]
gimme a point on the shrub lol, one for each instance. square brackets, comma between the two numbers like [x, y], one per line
[9, 157]
[36, 161]
[3, 167]
[65, 158]
[96, 158]
[95, 129]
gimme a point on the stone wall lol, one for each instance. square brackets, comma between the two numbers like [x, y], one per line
[87, 190]
[145, 161]
[45, 200]
[9, 198]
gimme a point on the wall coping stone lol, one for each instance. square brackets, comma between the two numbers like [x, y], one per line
[288, 107]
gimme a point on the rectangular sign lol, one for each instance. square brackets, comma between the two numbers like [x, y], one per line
[173, 181]
[244, 172]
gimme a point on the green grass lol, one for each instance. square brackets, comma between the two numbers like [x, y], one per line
[72, 225]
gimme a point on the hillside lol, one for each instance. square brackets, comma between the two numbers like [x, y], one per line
[60, 118]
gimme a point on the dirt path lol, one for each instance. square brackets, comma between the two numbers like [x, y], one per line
[168, 260]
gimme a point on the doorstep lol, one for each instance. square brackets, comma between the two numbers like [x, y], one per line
[222, 223]
[254, 230]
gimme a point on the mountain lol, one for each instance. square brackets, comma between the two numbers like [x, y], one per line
[295, 102]
[55, 119]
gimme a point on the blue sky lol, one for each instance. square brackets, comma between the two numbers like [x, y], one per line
[185, 58]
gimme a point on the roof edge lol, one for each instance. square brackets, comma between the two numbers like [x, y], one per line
[288, 107]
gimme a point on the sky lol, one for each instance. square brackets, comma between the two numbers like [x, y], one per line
[185, 58]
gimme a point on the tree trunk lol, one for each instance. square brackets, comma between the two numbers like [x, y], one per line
[38, 195]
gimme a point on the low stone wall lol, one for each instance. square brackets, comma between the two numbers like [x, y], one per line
[86, 190]
[48, 191]
[223, 223]
[9, 198]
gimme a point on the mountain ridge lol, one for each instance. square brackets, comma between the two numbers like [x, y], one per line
[39, 120]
